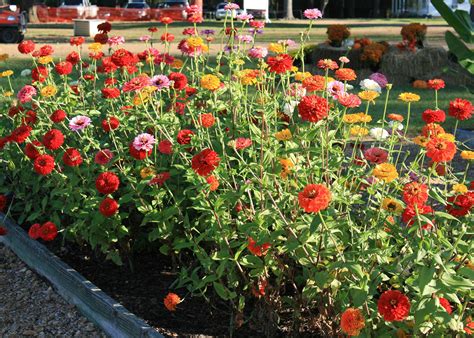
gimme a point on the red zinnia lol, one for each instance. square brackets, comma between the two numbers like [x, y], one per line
[136, 83]
[460, 205]
[73, 58]
[39, 73]
[352, 322]
[58, 116]
[184, 136]
[46, 50]
[409, 215]
[432, 130]
[20, 134]
[53, 139]
[314, 198]
[48, 231]
[31, 150]
[258, 250]
[415, 193]
[104, 27]
[436, 84]
[160, 179]
[63, 68]
[110, 93]
[139, 154]
[314, 83]
[313, 108]
[205, 162]
[440, 150]
[72, 157]
[165, 147]
[180, 81]
[103, 157]
[433, 116]
[445, 304]
[107, 183]
[26, 47]
[110, 123]
[171, 301]
[122, 58]
[393, 306]
[33, 232]
[108, 207]
[213, 182]
[44, 164]
[376, 155]
[280, 63]
[461, 109]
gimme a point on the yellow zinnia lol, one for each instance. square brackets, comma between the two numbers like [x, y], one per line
[95, 47]
[392, 206]
[351, 118]
[8, 94]
[286, 167]
[6, 73]
[300, 76]
[467, 155]
[210, 82]
[368, 95]
[386, 172]
[447, 136]
[364, 118]
[460, 188]
[48, 91]
[421, 140]
[4, 57]
[276, 48]
[44, 60]
[195, 41]
[147, 172]
[283, 135]
[358, 131]
[409, 97]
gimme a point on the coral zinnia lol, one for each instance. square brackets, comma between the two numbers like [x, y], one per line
[44, 164]
[415, 193]
[393, 306]
[280, 63]
[171, 301]
[440, 150]
[313, 108]
[205, 162]
[433, 116]
[314, 198]
[461, 109]
[352, 322]
[108, 207]
[436, 84]
[107, 183]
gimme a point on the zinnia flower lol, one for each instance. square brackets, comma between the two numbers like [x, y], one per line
[313, 108]
[393, 306]
[440, 150]
[258, 250]
[352, 322]
[48, 231]
[411, 212]
[103, 157]
[436, 84]
[107, 183]
[314, 198]
[409, 97]
[415, 193]
[346, 74]
[171, 301]
[165, 147]
[312, 14]
[205, 162]
[78, 123]
[376, 155]
[210, 82]
[53, 139]
[433, 116]
[392, 206]
[144, 142]
[72, 157]
[461, 109]
[368, 95]
[44, 164]
[108, 207]
[279, 64]
[26, 94]
[371, 85]
[386, 172]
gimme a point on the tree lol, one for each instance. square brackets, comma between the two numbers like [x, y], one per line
[376, 8]
[289, 9]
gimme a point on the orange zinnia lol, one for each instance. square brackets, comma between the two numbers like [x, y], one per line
[440, 150]
[314, 198]
[171, 301]
[352, 322]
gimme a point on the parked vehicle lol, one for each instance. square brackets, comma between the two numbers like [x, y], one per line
[12, 24]
[221, 12]
[140, 9]
[83, 8]
[175, 9]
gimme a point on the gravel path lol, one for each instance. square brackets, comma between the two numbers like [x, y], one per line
[29, 307]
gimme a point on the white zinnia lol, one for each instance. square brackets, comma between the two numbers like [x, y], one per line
[369, 84]
[379, 133]
[289, 108]
[395, 125]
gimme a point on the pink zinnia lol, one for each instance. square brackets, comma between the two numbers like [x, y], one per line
[245, 17]
[145, 38]
[296, 90]
[26, 94]
[116, 40]
[231, 6]
[245, 38]
[160, 81]
[335, 89]
[344, 59]
[258, 52]
[144, 142]
[136, 83]
[103, 157]
[242, 143]
[327, 64]
[313, 14]
[79, 122]
[349, 100]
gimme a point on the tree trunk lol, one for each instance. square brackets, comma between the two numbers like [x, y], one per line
[289, 10]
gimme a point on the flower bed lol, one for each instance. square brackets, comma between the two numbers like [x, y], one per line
[253, 176]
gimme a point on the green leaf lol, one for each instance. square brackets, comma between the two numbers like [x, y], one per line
[425, 278]
[221, 290]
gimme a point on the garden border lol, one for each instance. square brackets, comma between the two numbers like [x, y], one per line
[113, 318]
